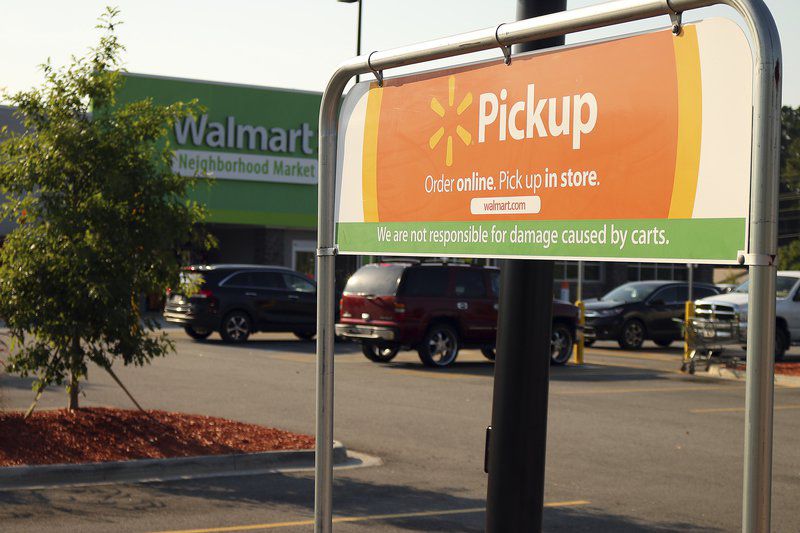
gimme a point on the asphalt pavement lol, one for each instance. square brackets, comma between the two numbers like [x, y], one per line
[633, 445]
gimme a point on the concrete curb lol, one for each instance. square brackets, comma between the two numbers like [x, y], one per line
[139, 470]
[721, 371]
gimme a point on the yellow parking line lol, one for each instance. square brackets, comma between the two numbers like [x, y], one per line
[630, 390]
[436, 374]
[738, 409]
[312, 359]
[343, 519]
[642, 356]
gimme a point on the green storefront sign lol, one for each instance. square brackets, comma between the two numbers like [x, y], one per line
[259, 144]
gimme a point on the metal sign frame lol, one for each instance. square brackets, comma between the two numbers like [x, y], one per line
[762, 224]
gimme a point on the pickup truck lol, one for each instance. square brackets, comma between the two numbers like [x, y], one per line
[727, 313]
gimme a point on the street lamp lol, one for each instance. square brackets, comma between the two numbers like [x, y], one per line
[358, 31]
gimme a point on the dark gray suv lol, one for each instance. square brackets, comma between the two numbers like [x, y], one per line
[238, 300]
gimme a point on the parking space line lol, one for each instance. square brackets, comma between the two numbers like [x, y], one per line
[641, 356]
[434, 374]
[738, 409]
[366, 518]
[312, 359]
[639, 390]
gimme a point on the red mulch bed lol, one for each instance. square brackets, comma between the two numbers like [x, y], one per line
[101, 434]
[784, 369]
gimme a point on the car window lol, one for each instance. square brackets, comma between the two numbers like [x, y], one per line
[669, 295]
[494, 278]
[268, 280]
[242, 279]
[469, 284]
[380, 280]
[703, 292]
[296, 283]
[425, 281]
[783, 286]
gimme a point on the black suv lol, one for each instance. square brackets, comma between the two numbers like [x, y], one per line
[641, 310]
[238, 300]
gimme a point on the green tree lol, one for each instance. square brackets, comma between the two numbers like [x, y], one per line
[101, 217]
[790, 148]
[789, 254]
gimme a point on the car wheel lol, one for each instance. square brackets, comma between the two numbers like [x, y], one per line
[439, 348]
[236, 327]
[489, 352]
[380, 353]
[632, 336]
[197, 333]
[561, 342]
[782, 342]
[664, 343]
[305, 335]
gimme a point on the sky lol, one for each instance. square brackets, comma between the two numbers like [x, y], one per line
[284, 43]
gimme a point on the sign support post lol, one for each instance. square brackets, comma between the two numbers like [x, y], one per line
[518, 438]
[762, 221]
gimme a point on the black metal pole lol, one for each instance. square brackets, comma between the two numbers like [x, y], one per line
[515, 496]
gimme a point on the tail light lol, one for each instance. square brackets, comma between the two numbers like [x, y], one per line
[399, 308]
[342, 312]
[203, 293]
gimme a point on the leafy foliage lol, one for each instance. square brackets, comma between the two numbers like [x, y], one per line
[100, 216]
[789, 255]
[790, 148]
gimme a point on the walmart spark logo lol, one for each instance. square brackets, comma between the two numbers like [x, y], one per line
[439, 109]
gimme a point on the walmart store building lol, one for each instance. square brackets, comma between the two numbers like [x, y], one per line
[255, 150]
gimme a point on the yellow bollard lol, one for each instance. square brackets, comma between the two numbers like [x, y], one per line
[687, 317]
[578, 359]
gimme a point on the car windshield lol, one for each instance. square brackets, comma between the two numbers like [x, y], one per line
[376, 280]
[783, 286]
[631, 292]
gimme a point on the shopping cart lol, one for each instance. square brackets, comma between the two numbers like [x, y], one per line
[708, 338]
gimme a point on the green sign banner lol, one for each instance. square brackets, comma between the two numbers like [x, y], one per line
[258, 144]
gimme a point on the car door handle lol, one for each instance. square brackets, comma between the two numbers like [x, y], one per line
[462, 305]
[294, 297]
[251, 294]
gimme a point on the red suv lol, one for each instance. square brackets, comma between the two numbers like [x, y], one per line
[435, 308]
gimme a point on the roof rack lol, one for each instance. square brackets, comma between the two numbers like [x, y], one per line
[398, 260]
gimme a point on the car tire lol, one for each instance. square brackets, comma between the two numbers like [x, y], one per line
[561, 344]
[664, 343]
[632, 335]
[379, 353]
[305, 335]
[782, 342]
[440, 346]
[198, 334]
[489, 352]
[236, 327]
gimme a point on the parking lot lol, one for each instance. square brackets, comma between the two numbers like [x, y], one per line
[633, 445]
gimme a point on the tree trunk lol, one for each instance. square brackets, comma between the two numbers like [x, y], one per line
[73, 375]
[73, 392]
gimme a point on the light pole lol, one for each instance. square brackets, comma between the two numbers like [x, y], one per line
[358, 31]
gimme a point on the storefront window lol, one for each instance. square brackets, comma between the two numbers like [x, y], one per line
[568, 271]
[653, 271]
